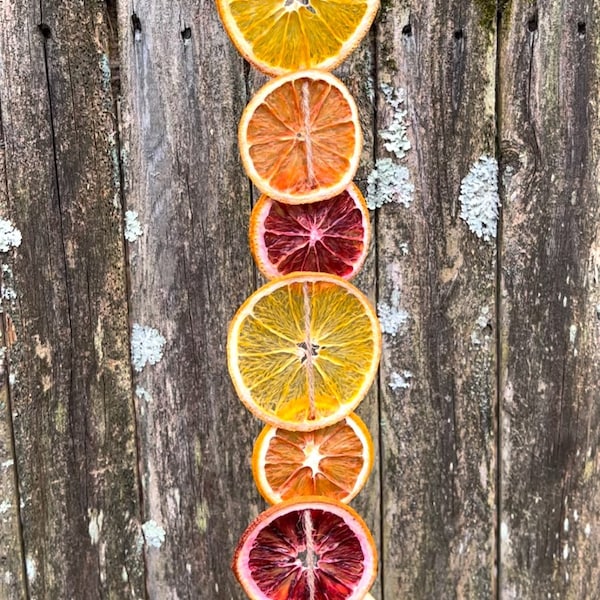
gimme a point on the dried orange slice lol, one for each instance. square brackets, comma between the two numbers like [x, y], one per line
[300, 138]
[314, 548]
[330, 236]
[334, 461]
[303, 350]
[279, 36]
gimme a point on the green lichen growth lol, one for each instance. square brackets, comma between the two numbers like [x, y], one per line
[488, 11]
[386, 58]
[385, 6]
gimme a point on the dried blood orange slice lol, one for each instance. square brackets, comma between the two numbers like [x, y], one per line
[330, 236]
[334, 461]
[303, 350]
[315, 548]
[279, 36]
[300, 138]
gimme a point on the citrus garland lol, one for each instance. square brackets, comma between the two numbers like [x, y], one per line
[304, 349]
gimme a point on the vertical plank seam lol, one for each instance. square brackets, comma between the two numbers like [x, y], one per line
[13, 454]
[12, 439]
[374, 73]
[9, 409]
[113, 28]
[498, 308]
[251, 193]
[58, 193]
[61, 232]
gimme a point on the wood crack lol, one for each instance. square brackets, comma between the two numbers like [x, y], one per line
[9, 396]
[114, 51]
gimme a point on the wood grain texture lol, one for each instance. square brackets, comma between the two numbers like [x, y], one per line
[183, 90]
[12, 561]
[436, 296]
[71, 385]
[106, 102]
[550, 305]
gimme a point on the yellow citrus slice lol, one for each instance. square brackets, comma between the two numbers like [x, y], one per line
[334, 461]
[279, 36]
[311, 547]
[331, 236]
[303, 350]
[300, 138]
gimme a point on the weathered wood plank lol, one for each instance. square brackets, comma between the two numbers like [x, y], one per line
[12, 572]
[550, 136]
[436, 292]
[183, 92]
[71, 393]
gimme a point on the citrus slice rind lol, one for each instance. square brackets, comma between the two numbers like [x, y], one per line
[334, 461]
[303, 350]
[330, 236]
[300, 138]
[312, 543]
[280, 36]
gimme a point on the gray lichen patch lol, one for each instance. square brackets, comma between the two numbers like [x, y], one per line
[391, 316]
[7, 291]
[31, 569]
[389, 182]
[400, 381]
[10, 236]
[481, 333]
[133, 228]
[146, 346]
[154, 534]
[479, 199]
[95, 525]
[395, 137]
[143, 394]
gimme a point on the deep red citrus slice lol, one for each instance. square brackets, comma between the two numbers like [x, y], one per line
[330, 236]
[310, 549]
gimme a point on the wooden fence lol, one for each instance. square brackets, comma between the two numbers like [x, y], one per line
[123, 221]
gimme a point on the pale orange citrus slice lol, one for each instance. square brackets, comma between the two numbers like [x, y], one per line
[334, 461]
[303, 350]
[313, 547]
[330, 236]
[300, 137]
[279, 36]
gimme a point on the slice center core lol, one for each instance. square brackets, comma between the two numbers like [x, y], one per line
[297, 4]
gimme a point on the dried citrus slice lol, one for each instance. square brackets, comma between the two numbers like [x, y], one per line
[313, 548]
[279, 36]
[303, 350]
[330, 236]
[334, 461]
[300, 138]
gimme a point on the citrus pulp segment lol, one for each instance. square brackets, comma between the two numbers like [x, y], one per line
[279, 36]
[334, 461]
[300, 137]
[303, 350]
[313, 548]
[330, 236]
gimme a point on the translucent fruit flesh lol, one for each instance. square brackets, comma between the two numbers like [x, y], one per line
[330, 236]
[334, 461]
[300, 138]
[280, 36]
[303, 350]
[316, 549]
